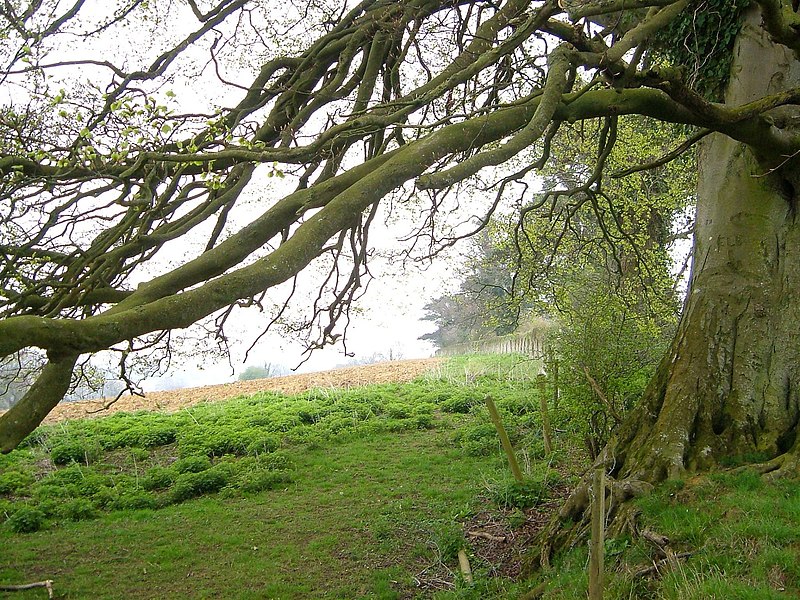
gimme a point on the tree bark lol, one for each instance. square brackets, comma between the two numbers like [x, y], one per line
[729, 385]
[33, 407]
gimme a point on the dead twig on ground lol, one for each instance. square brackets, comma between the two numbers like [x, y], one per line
[48, 584]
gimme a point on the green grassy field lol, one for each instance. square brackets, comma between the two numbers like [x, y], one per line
[362, 493]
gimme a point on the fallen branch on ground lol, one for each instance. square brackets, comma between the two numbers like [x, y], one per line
[29, 586]
[488, 536]
[656, 567]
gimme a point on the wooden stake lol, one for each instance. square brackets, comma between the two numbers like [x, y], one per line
[501, 431]
[547, 432]
[598, 533]
[554, 377]
[463, 564]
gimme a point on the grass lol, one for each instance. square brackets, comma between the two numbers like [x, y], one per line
[361, 493]
[357, 516]
[743, 534]
[333, 493]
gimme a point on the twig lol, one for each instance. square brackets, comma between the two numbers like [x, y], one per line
[29, 586]
[656, 566]
[602, 396]
[487, 536]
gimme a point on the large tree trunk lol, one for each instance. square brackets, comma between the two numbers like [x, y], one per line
[729, 387]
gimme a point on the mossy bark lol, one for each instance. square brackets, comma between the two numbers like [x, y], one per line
[729, 388]
[32, 408]
[729, 385]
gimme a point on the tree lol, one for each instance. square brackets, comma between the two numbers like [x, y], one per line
[483, 305]
[407, 101]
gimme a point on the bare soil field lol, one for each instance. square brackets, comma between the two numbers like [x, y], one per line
[174, 400]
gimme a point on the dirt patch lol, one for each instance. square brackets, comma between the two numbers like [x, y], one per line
[503, 545]
[172, 401]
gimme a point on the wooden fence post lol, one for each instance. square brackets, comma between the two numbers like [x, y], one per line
[501, 431]
[597, 544]
[547, 432]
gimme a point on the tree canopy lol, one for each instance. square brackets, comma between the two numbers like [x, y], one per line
[123, 134]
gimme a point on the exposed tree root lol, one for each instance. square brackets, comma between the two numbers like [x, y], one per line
[784, 466]
[570, 526]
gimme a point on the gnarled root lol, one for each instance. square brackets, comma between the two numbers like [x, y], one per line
[572, 524]
[786, 465]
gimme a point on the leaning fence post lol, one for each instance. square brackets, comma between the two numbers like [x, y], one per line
[501, 431]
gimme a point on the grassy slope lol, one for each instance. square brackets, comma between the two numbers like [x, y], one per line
[382, 486]
[358, 515]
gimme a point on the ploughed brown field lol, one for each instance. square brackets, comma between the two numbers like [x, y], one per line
[174, 400]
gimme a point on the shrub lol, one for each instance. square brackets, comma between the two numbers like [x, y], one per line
[192, 464]
[138, 454]
[277, 462]
[212, 441]
[14, 481]
[397, 411]
[74, 451]
[447, 538]
[478, 440]
[67, 475]
[511, 493]
[191, 485]
[460, 402]
[79, 509]
[26, 519]
[73, 481]
[263, 443]
[134, 500]
[104, 498]
[50, 507]
[260, 481]
[158, 478]
[158, 436]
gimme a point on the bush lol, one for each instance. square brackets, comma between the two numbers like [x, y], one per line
[158, 478]
[158, 436]
[510, 493]
[74, 451]
[460, 402]
[14, 481]
[260, 481]
[398, 411]
[134, 500]
[26, 519]
[191, 485]
[422, 421]
[67, 475]
[277, 462]
[447, 538]
[79, 509]
[192, 464]
[478, 440]
[72, 481]
[217, 440]
[137, 455]
[263, 443]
